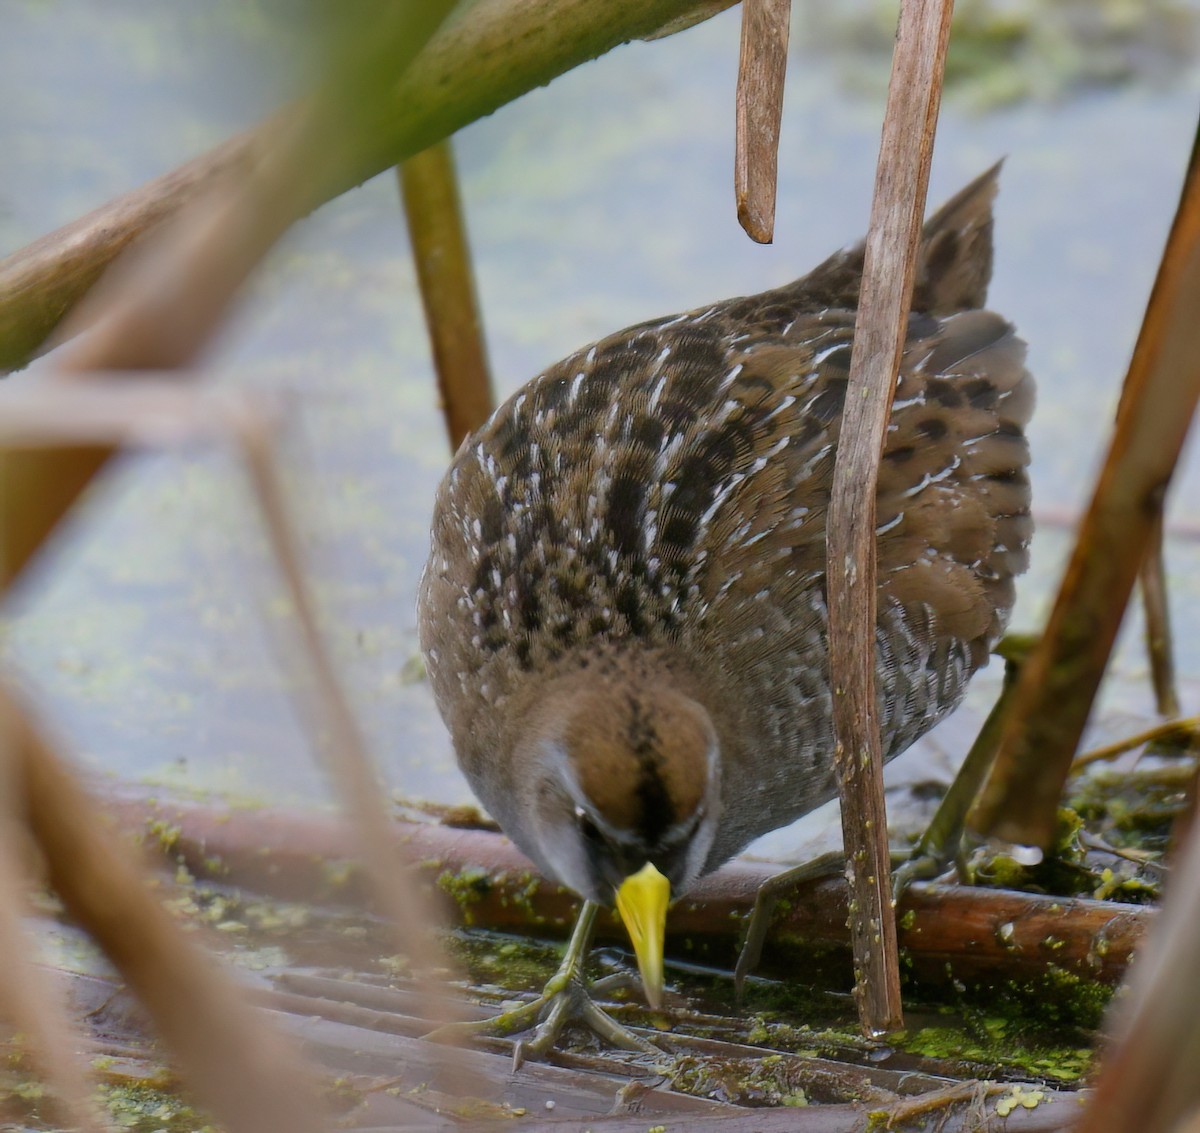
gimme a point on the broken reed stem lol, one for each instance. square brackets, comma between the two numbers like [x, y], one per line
[1060, 679]
[239, 1067]
[1157, 611]
[492, 52]
[442, 256]
[762, 68]
[897, 210]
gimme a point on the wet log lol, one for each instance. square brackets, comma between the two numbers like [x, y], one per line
[985, 936]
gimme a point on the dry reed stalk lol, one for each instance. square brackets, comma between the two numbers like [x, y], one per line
[335, 731]
[1059, 681]
[161, 302]
[37, 487]
[237, 1066]
[762, 68]
[240, 1068]
[1157, 611]
[1185, 729]
[897, 211]
[160, 305]
[490, 53]
[42, 281]
[29, 997]
[442, 256]
[110, 409]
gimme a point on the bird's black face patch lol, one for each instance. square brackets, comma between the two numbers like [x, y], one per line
[655, 807]
[611, 859]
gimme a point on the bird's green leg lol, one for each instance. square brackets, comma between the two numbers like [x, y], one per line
[941, 842]
[768, 896]
[564, 999]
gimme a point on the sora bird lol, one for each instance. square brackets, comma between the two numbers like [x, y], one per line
[624, 610]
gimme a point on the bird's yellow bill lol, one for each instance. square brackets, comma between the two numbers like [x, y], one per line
[642, 901]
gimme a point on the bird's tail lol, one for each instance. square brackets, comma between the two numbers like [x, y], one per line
[955, 262]
[954, 265]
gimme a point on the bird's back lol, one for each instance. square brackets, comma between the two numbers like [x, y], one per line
[665, 491]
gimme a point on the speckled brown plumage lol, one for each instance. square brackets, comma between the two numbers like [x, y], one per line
[623, 613]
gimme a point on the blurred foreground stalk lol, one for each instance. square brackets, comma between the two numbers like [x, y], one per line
[157, 309]
[488, 53]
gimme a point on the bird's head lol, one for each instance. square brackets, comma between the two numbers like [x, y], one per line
[627, 799]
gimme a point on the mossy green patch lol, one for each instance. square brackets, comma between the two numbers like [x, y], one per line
[147, 1109]
[773, 1080]
[1133, 810]
[513, 963]
[1001, 1047]
[467, 887]
[1071, 866]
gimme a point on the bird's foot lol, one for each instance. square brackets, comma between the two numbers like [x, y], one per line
[929, 860]
[566, 999]
[562, 1002]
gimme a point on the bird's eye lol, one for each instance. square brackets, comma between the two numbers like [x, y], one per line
[590, 831]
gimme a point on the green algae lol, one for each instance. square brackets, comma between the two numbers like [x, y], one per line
[1133, 810]
[163, 835]
[145, 1108]
[769, 1081]
[1002, 1048]
[1072, 867]
[467, 887]
[511, 963]
[144, 1104]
